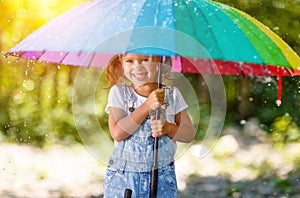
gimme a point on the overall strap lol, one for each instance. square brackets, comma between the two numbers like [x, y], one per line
[129, 100]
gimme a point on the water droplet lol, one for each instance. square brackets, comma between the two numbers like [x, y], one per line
[243, 122]
[28, 84]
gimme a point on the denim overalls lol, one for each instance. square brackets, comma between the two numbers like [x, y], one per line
[130, 164]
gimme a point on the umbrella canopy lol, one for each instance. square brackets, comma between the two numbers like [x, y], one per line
[237, 43]
[161, 27]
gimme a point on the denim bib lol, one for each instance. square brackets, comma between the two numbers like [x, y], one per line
[135, 153]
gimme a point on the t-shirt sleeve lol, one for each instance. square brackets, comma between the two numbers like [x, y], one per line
[180, 103]
[115, 98]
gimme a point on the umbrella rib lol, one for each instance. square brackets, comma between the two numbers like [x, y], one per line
[190, 16]
[266, 69]
[212, 32]
[240, 68]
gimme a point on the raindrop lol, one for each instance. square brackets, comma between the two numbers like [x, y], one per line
[236, 21]
[8, 21]
[251, 99]
[28, 84]
[287, 114]
[243, 122]
[58, 67]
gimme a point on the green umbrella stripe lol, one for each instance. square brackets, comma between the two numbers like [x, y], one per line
[266, 47]
[286, 50]
[215, 31]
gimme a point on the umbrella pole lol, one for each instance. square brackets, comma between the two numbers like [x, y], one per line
[127, 193]
[154, 172]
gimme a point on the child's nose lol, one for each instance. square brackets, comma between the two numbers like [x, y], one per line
[138, 63]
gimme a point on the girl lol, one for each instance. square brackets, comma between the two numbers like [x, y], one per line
[133, 129]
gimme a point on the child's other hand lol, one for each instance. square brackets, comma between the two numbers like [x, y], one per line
[157, 127]
[156, 99]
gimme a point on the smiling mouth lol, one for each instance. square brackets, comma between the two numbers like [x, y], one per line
[139, 75]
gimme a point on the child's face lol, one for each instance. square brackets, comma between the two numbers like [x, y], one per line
[139, 69]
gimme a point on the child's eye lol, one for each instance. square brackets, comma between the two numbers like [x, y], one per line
[129, 61]
[145, 60]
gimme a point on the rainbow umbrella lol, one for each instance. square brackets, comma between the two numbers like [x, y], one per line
[223, 40]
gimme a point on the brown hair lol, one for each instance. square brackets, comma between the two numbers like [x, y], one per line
[114, 70]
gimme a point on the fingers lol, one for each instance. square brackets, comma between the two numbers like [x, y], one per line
[158, 95]
[156, 98]
[157, 134]
[157, 127]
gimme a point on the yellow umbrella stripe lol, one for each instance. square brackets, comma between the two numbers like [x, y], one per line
[286, 50]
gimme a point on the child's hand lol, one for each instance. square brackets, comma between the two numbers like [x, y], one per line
[157, 127]
[156, 99]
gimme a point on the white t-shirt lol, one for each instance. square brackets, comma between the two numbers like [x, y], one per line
[116, 98]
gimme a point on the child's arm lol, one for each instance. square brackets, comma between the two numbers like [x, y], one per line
[122, 126]
[182, 131]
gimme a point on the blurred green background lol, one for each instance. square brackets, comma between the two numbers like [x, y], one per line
[36, 98]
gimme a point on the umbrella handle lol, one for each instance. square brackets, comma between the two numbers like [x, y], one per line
[154, 172]
[127, 193]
